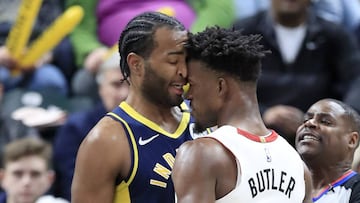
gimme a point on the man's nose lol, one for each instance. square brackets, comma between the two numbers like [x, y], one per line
[310, 123]
[182, 71]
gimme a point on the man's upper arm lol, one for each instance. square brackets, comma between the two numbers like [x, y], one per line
[103, 155]
[192, 174]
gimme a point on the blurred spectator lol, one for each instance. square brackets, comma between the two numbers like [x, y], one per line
[43, 76]
[311, 59]
[342, 12]
[89, 51]
[26, 175]
[112, 90]
[57, 65]
[11, 129]
[84, 82]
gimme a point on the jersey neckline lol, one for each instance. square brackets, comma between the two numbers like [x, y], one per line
[263, 139]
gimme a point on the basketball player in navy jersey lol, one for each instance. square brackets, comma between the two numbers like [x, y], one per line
[326, 141]
[129, 155]
[242, 161]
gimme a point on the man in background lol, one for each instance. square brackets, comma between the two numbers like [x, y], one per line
[326, 141]
[26, 174]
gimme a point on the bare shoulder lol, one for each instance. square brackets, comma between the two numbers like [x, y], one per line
[204, 152]
[203, 166]
[107, 144]
[106, 130]
[103, 156]
[106, 133]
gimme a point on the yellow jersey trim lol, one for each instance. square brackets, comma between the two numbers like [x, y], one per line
[135, 150]
[181, 128]
[122, 194]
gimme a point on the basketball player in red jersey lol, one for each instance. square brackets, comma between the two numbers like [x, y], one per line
[241, 161]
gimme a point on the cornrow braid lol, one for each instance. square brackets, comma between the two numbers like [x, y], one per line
[137, 37]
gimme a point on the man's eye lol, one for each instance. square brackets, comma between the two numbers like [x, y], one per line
[326, 122]
[35, 174]
[18, 174]
[306, 120]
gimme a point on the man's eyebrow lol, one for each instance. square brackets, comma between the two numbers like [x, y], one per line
[322, 114]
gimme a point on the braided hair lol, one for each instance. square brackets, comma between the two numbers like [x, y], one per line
[227, 50]
[138, 36]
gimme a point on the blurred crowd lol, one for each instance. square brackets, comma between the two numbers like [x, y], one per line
[314, 55]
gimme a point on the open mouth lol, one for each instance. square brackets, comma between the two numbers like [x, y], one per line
[307, 136]
[178, 88]
[310, 137]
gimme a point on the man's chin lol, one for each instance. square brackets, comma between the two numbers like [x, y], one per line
[26, 198]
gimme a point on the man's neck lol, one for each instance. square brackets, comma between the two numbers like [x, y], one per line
[324, 183]
[324, 177]
[290, 21]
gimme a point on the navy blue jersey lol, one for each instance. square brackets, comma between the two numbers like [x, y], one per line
[152, 156]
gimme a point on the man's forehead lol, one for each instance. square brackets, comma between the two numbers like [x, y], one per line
[170, 34]
[26, 160]
[180, 35]
[327, 107]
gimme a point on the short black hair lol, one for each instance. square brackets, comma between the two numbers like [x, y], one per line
[351, 114]
[227, 50]
[138, 36]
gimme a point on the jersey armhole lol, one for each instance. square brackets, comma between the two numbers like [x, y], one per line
[133, 149]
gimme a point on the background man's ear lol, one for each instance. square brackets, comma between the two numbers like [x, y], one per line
[51, 177]
[2, 175]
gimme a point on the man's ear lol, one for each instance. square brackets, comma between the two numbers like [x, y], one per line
[135, 63]
[222, 86]
[50, 177]
[354, 139]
